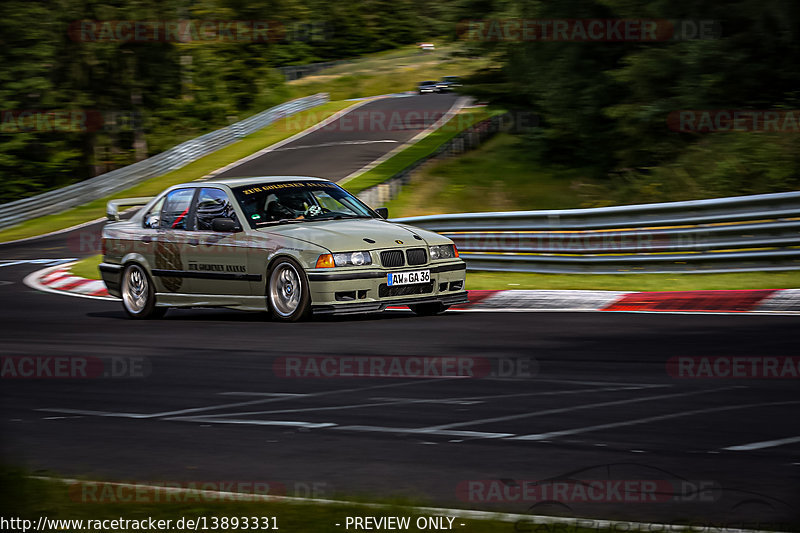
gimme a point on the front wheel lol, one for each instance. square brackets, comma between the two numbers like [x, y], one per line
[287, 291]
[138, 295]
[428, 309]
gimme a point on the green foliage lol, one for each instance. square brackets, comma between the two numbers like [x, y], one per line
[166, 92]
[604, 105]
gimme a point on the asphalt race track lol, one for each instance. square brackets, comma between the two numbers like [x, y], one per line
[351, 142]
[207, 400]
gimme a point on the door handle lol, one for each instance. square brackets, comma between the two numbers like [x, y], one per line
[147, 239]
[193, 242]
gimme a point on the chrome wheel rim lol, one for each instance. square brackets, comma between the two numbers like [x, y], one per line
[285, 289]
[135, 289]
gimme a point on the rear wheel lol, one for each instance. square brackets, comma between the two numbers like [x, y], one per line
[138, 295]
[428, 309]
[287, 292]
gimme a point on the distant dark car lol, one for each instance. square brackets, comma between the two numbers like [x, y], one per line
[448, 84]
[428, 87]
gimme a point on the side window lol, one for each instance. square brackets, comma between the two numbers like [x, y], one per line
[153, 217]
[211, 204]
[176, 209]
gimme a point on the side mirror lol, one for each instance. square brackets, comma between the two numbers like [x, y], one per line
[224, 225]
[383, 211]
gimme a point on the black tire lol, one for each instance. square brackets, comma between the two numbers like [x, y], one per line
[430, 309]
[138, 294]
[283, 300]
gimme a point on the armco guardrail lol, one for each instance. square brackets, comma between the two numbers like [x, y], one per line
[744, 233]
[172, 159]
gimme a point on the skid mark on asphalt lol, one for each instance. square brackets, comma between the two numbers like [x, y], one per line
[562, 410]
[338, 143]
[380, 408]
[401, 401]
[227, 405]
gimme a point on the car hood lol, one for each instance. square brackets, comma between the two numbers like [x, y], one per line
[349, 235]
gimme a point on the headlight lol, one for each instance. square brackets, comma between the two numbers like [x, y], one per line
[352, 259]
[444, 251]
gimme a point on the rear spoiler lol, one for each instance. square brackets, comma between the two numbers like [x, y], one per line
[112, 208]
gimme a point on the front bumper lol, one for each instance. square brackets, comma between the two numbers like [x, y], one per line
[366, 291]
[112, 275]
[376, 307]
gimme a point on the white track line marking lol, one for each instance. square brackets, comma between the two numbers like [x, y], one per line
[270, 394]
[308, 409]
[763, 444]
[339, 143]
[288, 423]
[577, 408]
[222, 406]
[280, 144]
[399, 401]
[51, 262]
[425, 431]
[549, 393]
[646, 420]
[586, 523]
[443, 401]
[457, 105]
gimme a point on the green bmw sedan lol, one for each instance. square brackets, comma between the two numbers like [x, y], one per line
[291, 246]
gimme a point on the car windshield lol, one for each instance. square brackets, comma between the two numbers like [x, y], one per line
[300, 201]
[450, 78]
[428, 83]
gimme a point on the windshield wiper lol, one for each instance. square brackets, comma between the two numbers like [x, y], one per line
[284, 221]
[341, 215]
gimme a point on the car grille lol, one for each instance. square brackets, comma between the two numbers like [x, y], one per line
[404, 290]
[417, 256]
[392, 258]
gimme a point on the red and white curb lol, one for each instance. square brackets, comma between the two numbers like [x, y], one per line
[59, 280]
[756, 301]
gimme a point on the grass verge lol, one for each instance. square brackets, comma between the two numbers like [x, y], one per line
[27, 498]
[497, 176]
[419, 150]
[263, 138]
[87, 268]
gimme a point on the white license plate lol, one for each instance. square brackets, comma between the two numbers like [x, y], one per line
[409, 278]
